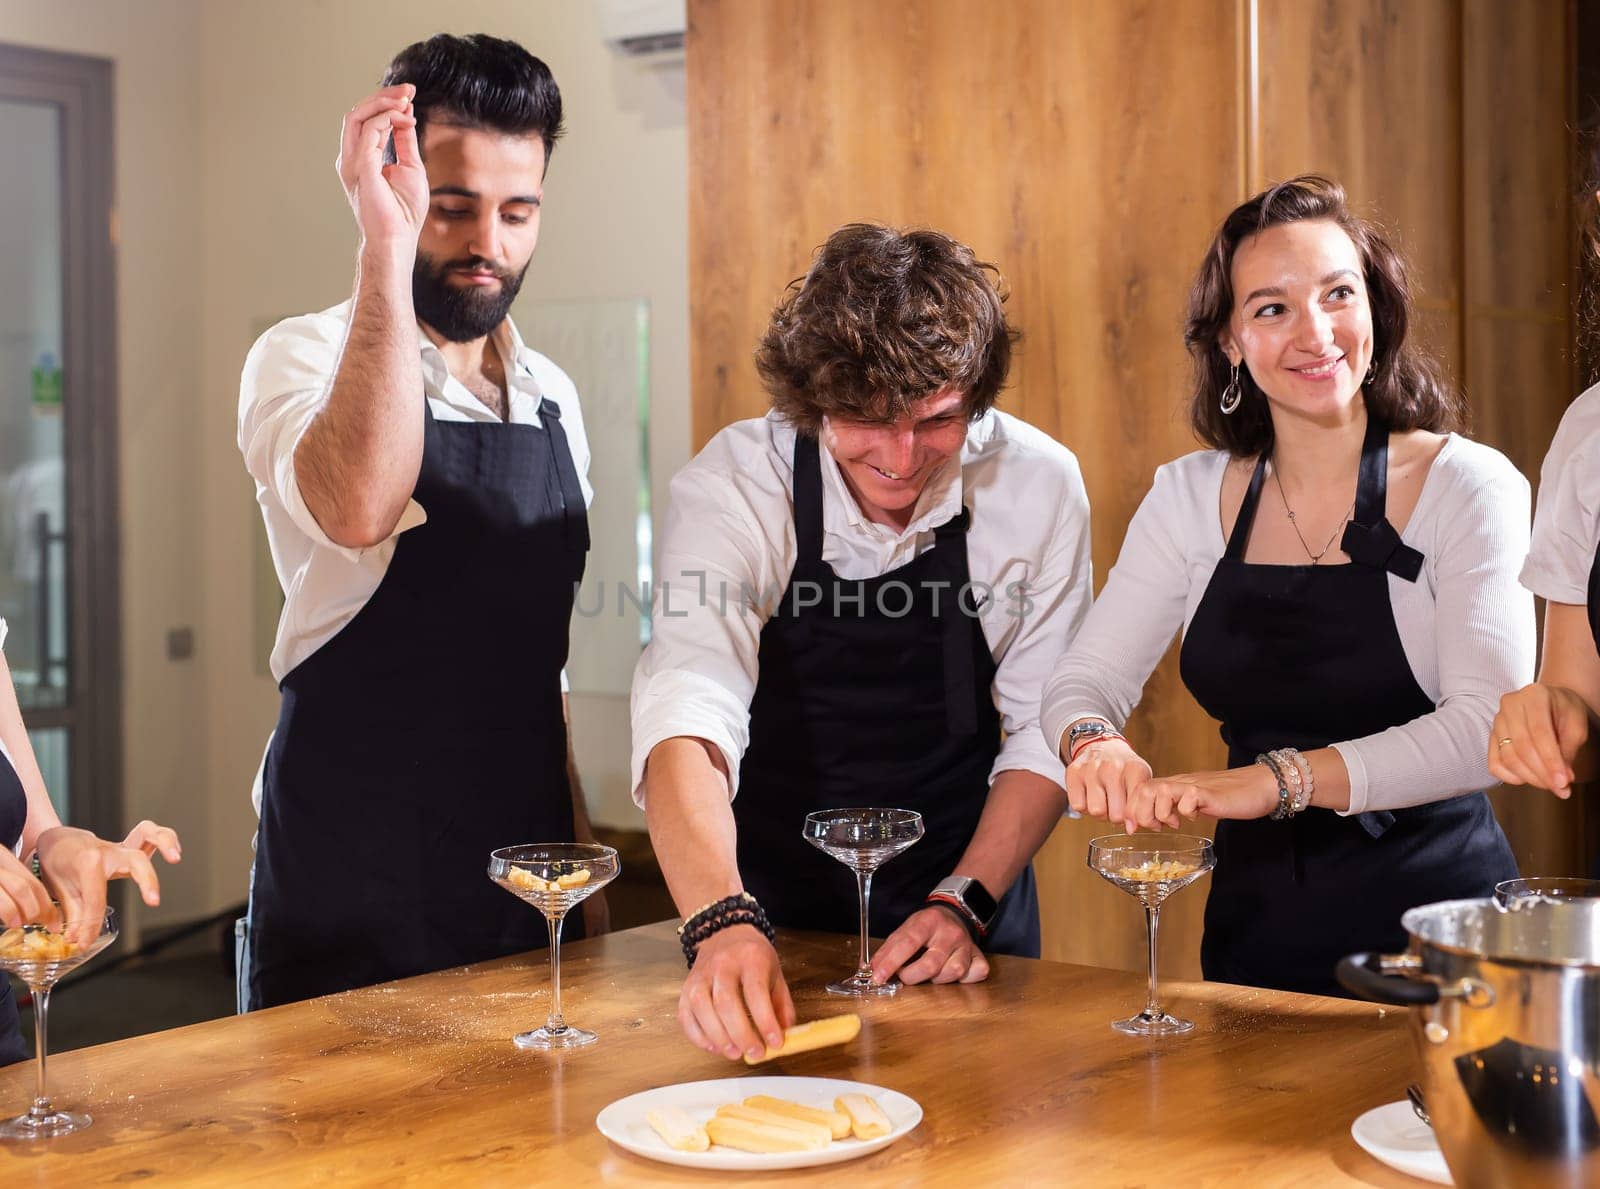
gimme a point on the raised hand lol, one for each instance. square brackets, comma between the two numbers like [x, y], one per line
[390, 200]
[1536, 736]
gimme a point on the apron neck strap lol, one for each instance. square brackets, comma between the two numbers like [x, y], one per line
[1247, 512]
[1372, 486]
[807, 499]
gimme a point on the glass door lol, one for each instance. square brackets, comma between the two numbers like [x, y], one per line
[58, 574]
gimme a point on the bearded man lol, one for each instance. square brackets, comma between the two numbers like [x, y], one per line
[422, 477]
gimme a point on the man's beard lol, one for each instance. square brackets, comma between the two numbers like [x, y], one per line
[462, 313]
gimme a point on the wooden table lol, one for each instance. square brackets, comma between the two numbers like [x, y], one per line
[1021, 1079]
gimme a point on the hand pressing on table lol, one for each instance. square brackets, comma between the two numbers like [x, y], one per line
[734, 1001]
[931, 946]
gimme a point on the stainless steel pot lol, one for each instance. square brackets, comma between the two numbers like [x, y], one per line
[1506, 1016]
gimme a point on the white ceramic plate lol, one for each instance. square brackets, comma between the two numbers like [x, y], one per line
[623, 1122]
[1394, 1135]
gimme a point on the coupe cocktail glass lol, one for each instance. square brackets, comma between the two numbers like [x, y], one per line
[553, 876]
[1150, 867]
[863, 840]
[39, 956]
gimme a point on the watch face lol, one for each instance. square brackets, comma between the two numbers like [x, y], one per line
[979, 900]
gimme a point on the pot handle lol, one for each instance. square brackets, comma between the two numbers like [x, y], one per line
[1386, 978]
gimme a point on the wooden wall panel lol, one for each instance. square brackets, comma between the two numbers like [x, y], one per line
[1516, 267]
[1368, 92]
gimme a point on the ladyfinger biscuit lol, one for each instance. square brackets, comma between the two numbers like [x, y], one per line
[751, 1114]
[835, 1030]
[837, 1122]
[573, 879]
[729, 1132]
[521, 877]
[867, 1119]
[680, 1132]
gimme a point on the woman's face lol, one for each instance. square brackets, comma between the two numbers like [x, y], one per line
[1302, 324]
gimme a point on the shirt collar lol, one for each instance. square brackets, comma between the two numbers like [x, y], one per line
[506, 338]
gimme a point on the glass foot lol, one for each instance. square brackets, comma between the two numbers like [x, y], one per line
[545, 1038]
[860, 984]
[1147, 1025]
[44, 1125]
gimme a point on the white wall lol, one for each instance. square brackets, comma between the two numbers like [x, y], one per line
[227, 126]
[155, 46]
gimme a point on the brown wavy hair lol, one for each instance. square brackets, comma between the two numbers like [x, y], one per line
[1408, 389]
[884, 318]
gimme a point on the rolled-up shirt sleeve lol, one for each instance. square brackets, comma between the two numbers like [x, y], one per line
[1050, 608]
[1130, 625]
[285, 381]
[720, 575]
[1485, 639]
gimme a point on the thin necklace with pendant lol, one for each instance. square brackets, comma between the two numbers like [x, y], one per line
[1316, 558]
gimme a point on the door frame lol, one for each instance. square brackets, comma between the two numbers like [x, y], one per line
[81, 87]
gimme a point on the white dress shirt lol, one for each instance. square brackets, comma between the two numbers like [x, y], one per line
[286, 378]
[729, 547]
[1465, 625]
[1566, 520]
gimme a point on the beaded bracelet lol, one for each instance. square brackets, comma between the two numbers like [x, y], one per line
[739, 909]
[1306, 784]
[1290, 775]
[1285, 807]
[1292, 771]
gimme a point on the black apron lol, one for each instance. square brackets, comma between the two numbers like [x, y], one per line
[428, 731]
[13, 815]
[871, 693]
[1304, 656]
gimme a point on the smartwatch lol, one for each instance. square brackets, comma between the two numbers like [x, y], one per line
[969, 900]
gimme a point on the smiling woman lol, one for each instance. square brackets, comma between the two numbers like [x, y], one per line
[1354, 693]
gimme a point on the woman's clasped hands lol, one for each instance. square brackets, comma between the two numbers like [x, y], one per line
[1108, 779]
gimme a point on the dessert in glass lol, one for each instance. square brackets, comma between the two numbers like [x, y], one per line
[554, 876]
[39, 956]
[863, 840]
[1150, 867]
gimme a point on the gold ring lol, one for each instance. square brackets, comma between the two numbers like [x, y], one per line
[1504, 741]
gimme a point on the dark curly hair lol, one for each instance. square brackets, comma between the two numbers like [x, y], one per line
[1407, 390]
[885, 318]
[478, 81]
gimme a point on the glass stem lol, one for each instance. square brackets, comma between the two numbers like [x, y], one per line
[554, 1023]
[1152, 918]
[864, 887]
[41, 1016]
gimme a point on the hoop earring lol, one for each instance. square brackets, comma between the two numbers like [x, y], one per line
[1232, 394]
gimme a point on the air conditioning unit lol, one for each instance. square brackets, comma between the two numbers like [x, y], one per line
[644, 28]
